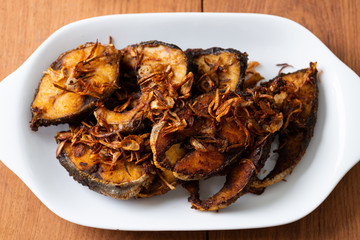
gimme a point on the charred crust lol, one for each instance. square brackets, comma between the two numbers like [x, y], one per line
[166, 164]
[197, 52]
[73, 119]
[155, 43]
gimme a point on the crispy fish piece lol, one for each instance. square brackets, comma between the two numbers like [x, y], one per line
[118, 180]
[74, 83]
[208, 159]
[218, 68]
[114, 164]
[297, 97]
[163, 67]
[238, 179]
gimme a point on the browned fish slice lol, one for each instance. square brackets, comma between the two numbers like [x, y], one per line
[164, 68]
[209, 159]
[218, 68]
[121, 180]
[237, 181]
[74, 83]
[298, 99]
[187, 163]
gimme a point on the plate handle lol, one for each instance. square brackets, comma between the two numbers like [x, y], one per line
[10, 149]
[351, 129]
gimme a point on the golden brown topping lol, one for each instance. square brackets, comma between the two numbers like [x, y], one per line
[252, 77]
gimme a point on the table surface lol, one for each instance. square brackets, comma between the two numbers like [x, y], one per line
[26, 24]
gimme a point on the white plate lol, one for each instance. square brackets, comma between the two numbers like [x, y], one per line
[268, 39]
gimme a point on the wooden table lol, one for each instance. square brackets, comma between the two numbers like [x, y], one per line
[25, 25]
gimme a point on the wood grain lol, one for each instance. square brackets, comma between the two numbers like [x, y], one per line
[26, 24]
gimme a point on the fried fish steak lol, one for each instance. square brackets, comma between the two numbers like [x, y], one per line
[296, 95]
[117, 181]
[74, 83]
[238, 179]
[111, 164]
[218, 68]
[163, 68]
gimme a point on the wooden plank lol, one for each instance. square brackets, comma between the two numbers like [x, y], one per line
[23, 216]
[24, 26]
[336, 23]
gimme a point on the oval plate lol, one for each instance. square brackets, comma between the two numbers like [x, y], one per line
[267, 39]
